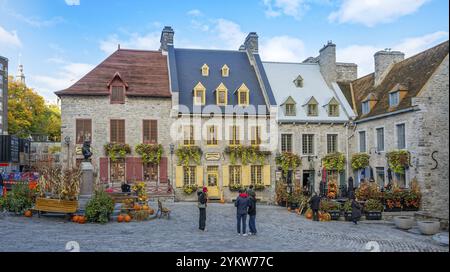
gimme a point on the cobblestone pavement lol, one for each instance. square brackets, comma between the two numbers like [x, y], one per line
[278, 230]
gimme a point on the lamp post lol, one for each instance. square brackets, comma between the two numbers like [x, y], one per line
[67, 142]
[172, 149]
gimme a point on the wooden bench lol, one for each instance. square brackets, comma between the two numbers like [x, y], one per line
[163, 211]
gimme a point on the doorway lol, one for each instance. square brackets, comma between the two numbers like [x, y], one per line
[212, 179]
[308, 180]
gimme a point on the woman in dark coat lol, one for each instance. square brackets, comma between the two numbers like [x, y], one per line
[356, 211]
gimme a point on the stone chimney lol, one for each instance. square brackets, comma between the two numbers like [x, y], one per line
[166, 38]
[327, 62]
[251, 42]
[384, 60]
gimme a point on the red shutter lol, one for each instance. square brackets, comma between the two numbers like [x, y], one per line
[138, 168]
[129, 169]
[153, 131]
[104, 163]
[163, 170]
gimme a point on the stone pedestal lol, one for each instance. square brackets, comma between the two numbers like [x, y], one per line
[87, 184]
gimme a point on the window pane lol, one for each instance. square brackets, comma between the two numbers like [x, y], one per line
[235, 174]
[83, 130]
[286, 142]
[362, 141]
[256, 174]
[189, 175]
[380, 139]
[307, 144]
[331, 143]
[380, 176]
[401, 141]
[117, 94]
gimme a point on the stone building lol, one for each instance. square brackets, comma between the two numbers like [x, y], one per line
[404, 106]
[313, 114]
[3, 95]
[125, 100]
[223, 102]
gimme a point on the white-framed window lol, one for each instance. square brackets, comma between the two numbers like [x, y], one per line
[289, 109]
[401, 136]
[189, 175]
[307, 144]
[365, 107]
[286, 142]
[256, 174]
[362, 141]
[332, 143]
[380, 139]
[394, 99]
[235, 174]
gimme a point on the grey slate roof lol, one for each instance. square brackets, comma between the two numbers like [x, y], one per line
[185, 73]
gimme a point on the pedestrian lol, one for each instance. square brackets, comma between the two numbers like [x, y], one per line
[1, 182]
[251, 191]
[242, 204]
[351, 192]
[356, 211]
[202, 203]
[314, 202]
[252, 215]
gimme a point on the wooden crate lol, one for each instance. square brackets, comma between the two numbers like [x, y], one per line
[56, 205]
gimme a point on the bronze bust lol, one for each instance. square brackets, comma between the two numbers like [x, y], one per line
[86, 150]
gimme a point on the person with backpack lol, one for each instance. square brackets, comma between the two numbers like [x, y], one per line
[242, 204]
[202, 203]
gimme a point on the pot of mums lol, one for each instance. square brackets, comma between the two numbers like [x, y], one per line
[347, 207]
[393, 200]
[373, 209]
[412, 197]
[331, 207]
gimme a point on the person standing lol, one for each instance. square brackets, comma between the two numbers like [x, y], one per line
[252, 215]
[242, 204]
[356, 211]
[251, 191]
[314, 202]
[202, 203]
[1, 182]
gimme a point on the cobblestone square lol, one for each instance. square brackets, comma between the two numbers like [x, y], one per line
[278, 230]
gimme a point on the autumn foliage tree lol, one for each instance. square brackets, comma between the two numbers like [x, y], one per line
[29, 114]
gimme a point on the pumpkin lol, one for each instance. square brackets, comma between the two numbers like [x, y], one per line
[127, 218]
[75, 219]
[136, 207]
[145, 207]
[120, 218]
[309, 214]
[28, 213]
[151, 211]
[82, 220]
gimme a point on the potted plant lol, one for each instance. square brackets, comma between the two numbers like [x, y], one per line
[331, 207]
[373, 209]
[368, 190]
[190, 189]
[281, 193]
[412, 197]
[99, 208]
[393, 200]
[116, 151]
[19, 200]
[347, 207]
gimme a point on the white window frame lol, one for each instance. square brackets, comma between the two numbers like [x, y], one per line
[313, 145]
[359, 141]
[292, 142]
[337, 142]
[397, 94]
[396, 134]
[376, 139]
[362, 107]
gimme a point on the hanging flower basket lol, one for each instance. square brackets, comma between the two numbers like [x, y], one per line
[288, 160]
[360, 161]
[116, 151]
[190, 189]
[334, 161]
[186, 154]
[247, 154]
[150, 153]
[398, 160]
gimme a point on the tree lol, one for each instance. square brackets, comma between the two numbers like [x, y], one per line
[29, 114]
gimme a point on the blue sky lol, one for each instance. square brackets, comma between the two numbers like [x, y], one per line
[58, 41]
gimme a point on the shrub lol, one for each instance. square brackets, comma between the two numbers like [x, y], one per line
[189, 189]
[368, 190]
[327, 205]
[99, 208]
[347, 207]
[281, 192]
[373, 205]
[19, 199]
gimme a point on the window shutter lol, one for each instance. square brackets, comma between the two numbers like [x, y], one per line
[121, 131]
[129, 168]
[179, 176]
[266, 175]
[138, 168]
[199, 177]
[153, 131]
[163, 170]
[245, 175]
[113, 131]
[104, 163]
[225, 175]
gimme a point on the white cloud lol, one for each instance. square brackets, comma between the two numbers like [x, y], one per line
[373, 12]
[293, 8]
[149, 41]
[229, 33]
[199, 25]
[195, 13]
[282, 48]
[363, 54]
[9, 39]
[67, 75]
[72, 2]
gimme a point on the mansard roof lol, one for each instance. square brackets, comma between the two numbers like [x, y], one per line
[409, 75]
[185, 73]
[145, 73]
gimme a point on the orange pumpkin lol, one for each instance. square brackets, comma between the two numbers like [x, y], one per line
[145, 207]
[120, 218]
[28, 213]
[151, 211]
[137, 207]
[309, 214]
[289, 209]
[82, 220]
[75, 219]
[127, 218]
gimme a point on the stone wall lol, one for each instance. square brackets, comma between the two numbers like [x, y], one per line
[346, 72]
[101, 111]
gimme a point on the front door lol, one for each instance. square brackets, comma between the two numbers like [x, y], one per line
[212, 180]
[308, 180]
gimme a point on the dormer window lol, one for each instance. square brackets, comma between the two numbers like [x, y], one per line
[333, 108]
[365, 107]
[225, 71]
[199, 94]
[290, 109]
[243, 95]
[394, 99]
[221, 95]
[118, 94]
[205, 70]
[298, 82]
[312, 108]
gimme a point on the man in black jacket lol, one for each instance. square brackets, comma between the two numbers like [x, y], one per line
[315, 206]
[202, 203]
[252, 215]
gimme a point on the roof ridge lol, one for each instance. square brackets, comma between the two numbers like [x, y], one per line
[220, 50]
[424, 52]
[287, 62]
[138, 50]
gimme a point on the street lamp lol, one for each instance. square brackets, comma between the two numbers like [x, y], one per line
[67, 142]
[172, 151]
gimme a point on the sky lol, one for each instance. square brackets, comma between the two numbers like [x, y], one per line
[59, 41]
